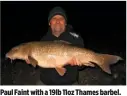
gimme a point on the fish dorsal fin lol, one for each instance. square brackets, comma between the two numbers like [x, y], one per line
[62, 41]
[61, 71]
[32, 61]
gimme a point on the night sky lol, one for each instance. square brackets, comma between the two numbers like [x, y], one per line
[101, 24]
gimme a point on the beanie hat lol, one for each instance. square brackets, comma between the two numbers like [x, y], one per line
[57, 11]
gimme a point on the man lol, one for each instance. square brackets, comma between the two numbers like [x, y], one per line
[59, 30]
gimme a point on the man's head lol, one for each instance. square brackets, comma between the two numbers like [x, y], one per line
[57, 20]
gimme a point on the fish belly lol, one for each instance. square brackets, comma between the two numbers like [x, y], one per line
[52, 61]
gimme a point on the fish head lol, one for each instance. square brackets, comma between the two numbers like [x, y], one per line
[18, 52]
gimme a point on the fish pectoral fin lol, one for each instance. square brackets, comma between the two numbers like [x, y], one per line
[32, 61]
[60, 70]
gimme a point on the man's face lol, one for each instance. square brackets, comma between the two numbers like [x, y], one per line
[57, 24]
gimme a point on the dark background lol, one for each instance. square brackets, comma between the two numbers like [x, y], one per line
[102, 25]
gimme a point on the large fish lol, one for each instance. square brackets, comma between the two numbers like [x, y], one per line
[53, 54]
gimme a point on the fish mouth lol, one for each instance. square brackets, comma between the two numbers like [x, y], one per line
[9, 57]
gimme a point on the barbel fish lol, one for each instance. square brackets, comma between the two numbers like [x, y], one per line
[53, 54]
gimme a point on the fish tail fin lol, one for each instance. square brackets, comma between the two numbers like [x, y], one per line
[105, 60]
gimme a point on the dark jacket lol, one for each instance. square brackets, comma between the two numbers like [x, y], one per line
[49, 76]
